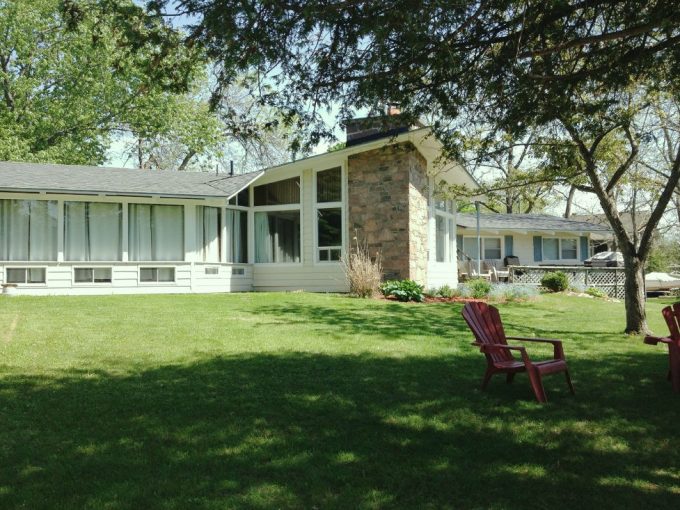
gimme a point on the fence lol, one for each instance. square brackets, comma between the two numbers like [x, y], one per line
[609, 279]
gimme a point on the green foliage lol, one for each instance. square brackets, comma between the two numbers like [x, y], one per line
[595, 292]
[446, 291]
[508, 292]
[76, 72]
[555, 281]
[403, 290]
[478, 288]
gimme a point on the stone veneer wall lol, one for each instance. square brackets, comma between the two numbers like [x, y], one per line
[387, 208]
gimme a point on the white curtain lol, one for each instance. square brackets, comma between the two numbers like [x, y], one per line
[28, 230]
[156, 232]
[92, 231]
[208, 232]
[234, 236]
[263, 238]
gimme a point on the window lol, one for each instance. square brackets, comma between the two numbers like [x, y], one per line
[329, 222]
[444, 205]
[92, 231]
[238, 271]
[212, 270]
[242, 199]
[329, 227]
[491, 248]
[568, 249]
[92, 275]
[329, 185]
[156, 232]
[209, 232]
[278, 193]
[25, 275]
[441, 238]
[277, 236]
[560, 249]
[237, 236]
[28, 230]
[156, 274]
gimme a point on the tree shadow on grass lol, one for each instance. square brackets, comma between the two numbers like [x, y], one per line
[316, 431]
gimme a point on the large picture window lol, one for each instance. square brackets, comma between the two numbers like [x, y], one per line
[237, 236]
[209, 233]
[92, 231]
[156, 232]
[28, 230]
[277, 236]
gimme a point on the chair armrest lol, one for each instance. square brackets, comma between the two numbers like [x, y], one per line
[653, 340]
[558, 351]
[535, 339]
[486, 347]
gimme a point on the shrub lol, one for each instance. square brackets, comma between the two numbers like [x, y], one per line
[479, 288]
[595, 292]
[362, 273]
[403, 290]
[555, 281]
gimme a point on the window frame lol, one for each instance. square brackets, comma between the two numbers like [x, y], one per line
[559, 240]
[329, 205]
[483, 247]
[157, 282]
[449, 216]
[276, 208]
[92, 282]
[26, 282]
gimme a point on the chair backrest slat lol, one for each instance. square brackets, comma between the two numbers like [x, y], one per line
[485, 323]
[672, 316]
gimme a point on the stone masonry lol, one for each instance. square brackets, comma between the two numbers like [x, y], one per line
[388, 209]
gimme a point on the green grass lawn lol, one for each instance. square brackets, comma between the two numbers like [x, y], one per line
[321, 401]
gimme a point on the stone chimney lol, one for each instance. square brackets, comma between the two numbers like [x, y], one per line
[366, 129]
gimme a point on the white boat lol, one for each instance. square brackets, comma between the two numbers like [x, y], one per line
[661, 281]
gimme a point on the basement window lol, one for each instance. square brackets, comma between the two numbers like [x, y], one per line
[35, 275]
[92, 275]
[157, 274]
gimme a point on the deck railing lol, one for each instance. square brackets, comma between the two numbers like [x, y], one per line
[609, 279]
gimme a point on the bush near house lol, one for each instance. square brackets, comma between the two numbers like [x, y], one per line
[478, 288]
[403, 290]
[555, 281]
[362, 272]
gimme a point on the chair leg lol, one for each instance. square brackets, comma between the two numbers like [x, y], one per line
[571, 386]
[487, 378]
[537, 386]
[509, 377]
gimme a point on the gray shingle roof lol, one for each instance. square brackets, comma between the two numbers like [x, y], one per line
[527, 222]
[88, 180]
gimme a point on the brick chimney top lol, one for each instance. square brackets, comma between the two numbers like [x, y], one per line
[367, 129]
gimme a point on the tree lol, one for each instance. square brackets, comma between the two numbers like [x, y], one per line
[72, 73]
[565, 67]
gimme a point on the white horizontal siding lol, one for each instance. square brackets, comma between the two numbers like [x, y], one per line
[313, 278]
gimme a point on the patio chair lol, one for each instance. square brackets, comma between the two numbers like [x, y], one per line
[672, 316]
[485, 323]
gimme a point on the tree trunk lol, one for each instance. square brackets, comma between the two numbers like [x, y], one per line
[570, 201]
[636, 319]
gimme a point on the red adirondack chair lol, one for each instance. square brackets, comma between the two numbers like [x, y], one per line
[672, 316]
[485, 323]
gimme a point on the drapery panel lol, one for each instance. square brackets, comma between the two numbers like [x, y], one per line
[208, 233]
[237, 236]
[156, 232]
[277, 236]
[28, 230]
[92, 231]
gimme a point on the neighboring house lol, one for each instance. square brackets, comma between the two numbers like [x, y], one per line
[89, 230]
[606, 241]
[534, 238]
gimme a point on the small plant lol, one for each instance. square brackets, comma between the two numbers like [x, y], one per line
[403, 290]
[362, 273]
[555, 281]
[447, 292]
[479, 288]
[595, 292]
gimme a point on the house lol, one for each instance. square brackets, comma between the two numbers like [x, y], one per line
[536, 239]
[90, 230]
